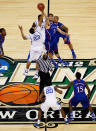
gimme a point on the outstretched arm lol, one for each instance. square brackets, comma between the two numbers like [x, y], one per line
[22, 34]
[66, 87]
[62, 32]
[63, 27]
[57, 90]
[87, 87]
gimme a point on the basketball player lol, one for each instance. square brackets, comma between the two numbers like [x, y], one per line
[36, 43]
[79, 86]
[51, 18]
[54, 42]
[65, 38]
[2, 39]
[50, 31]
[42, 25]
[50, 102]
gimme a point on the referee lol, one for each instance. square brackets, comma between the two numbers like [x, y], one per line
[44, 65]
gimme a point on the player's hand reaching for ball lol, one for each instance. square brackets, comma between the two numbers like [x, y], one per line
[20, 27]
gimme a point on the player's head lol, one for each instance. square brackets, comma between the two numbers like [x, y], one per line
[56, 19]
[2, 31]
[51, 17]
[78, 75]
[48, 82]
[39, 17]
[45, 56]
[32, 29]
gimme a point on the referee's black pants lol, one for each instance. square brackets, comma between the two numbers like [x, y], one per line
[44, 77]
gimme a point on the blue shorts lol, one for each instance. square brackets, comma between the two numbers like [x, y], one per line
[51, 46]
[82, 99]
[67, 41]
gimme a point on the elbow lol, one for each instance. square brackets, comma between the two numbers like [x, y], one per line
[24, 38]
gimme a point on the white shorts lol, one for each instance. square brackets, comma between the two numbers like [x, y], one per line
[34, 55]
[46, 105]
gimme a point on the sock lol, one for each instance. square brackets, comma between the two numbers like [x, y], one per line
[26, 70]
[73, 53]
[93, 115]
[36, 72]
[65, 119]
[54, 63]
[60, 60]
[38, 121]
[71, 114]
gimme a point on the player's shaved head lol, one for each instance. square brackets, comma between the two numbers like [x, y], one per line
[3, 31]
[78, 75]
[56, 19]
[48, 82]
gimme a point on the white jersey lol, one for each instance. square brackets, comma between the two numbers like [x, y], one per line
[43, 24]
[36, 40]
[50, 95]
[42, 28]
[51, 100]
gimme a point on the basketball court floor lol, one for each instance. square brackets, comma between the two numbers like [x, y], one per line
[78, 15]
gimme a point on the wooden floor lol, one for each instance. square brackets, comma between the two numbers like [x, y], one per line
[78, 15]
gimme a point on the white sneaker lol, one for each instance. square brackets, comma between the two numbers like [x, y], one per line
[25, 72]
[1, 74]
[35, 77]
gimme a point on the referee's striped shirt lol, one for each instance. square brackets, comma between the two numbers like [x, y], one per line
[44, 65]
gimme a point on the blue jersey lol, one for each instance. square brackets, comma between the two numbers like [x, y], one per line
[51, 31]
[58, 35]
[79, 88]
[1, 41]
[59, 26]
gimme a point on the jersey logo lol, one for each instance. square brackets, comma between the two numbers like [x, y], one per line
[36, 37]
[49, 90]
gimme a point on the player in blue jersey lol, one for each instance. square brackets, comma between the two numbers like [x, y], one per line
[79, 86]
[65, 38]
[49, 42]
[2, 38]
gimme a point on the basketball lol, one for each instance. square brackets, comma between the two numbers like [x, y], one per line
[19, 94]
[41, 6]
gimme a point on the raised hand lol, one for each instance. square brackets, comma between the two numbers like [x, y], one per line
[20, 27]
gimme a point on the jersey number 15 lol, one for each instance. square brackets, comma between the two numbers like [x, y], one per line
[80, 89]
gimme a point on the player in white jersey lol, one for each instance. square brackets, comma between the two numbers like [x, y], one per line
[50, 102]
[42, 25]
[43, 22]
[37, 41]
